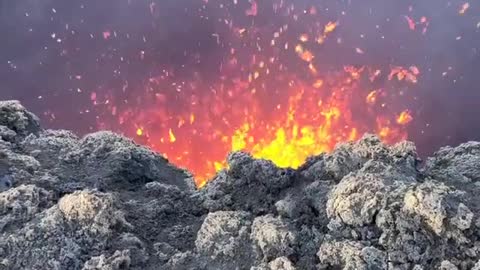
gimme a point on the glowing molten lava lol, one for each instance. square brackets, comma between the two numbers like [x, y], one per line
[307, 119]
[274, 94]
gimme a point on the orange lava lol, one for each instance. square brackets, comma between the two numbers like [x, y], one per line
[307, 119]
[272, 97]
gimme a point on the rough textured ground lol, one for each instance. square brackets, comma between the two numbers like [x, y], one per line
[103, 202]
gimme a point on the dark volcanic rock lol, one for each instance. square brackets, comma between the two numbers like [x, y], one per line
[15, 119]
[103, 202]
[265, 182]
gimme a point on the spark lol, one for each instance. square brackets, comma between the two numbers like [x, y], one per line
[171, 136]
[464, 8]
[411, 23]
[404, 118]
[372, 97]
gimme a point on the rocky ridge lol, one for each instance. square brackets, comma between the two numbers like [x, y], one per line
[104, 202]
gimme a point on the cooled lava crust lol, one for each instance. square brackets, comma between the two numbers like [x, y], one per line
[104, 202]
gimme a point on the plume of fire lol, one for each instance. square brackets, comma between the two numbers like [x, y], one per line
[270, 98]
[310, 121]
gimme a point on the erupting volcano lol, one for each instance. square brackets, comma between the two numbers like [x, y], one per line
[281, 79]
[274, 93]
[279, 117]
[239, 134]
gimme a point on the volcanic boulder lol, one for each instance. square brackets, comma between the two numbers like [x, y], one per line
[15, 119]
[104, 202]
[224, 240]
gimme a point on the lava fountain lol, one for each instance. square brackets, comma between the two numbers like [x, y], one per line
[274, 92]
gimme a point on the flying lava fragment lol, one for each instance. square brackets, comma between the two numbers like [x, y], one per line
[404, 118]
[464, 8]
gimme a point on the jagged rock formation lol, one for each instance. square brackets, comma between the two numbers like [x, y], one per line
[103, 202]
